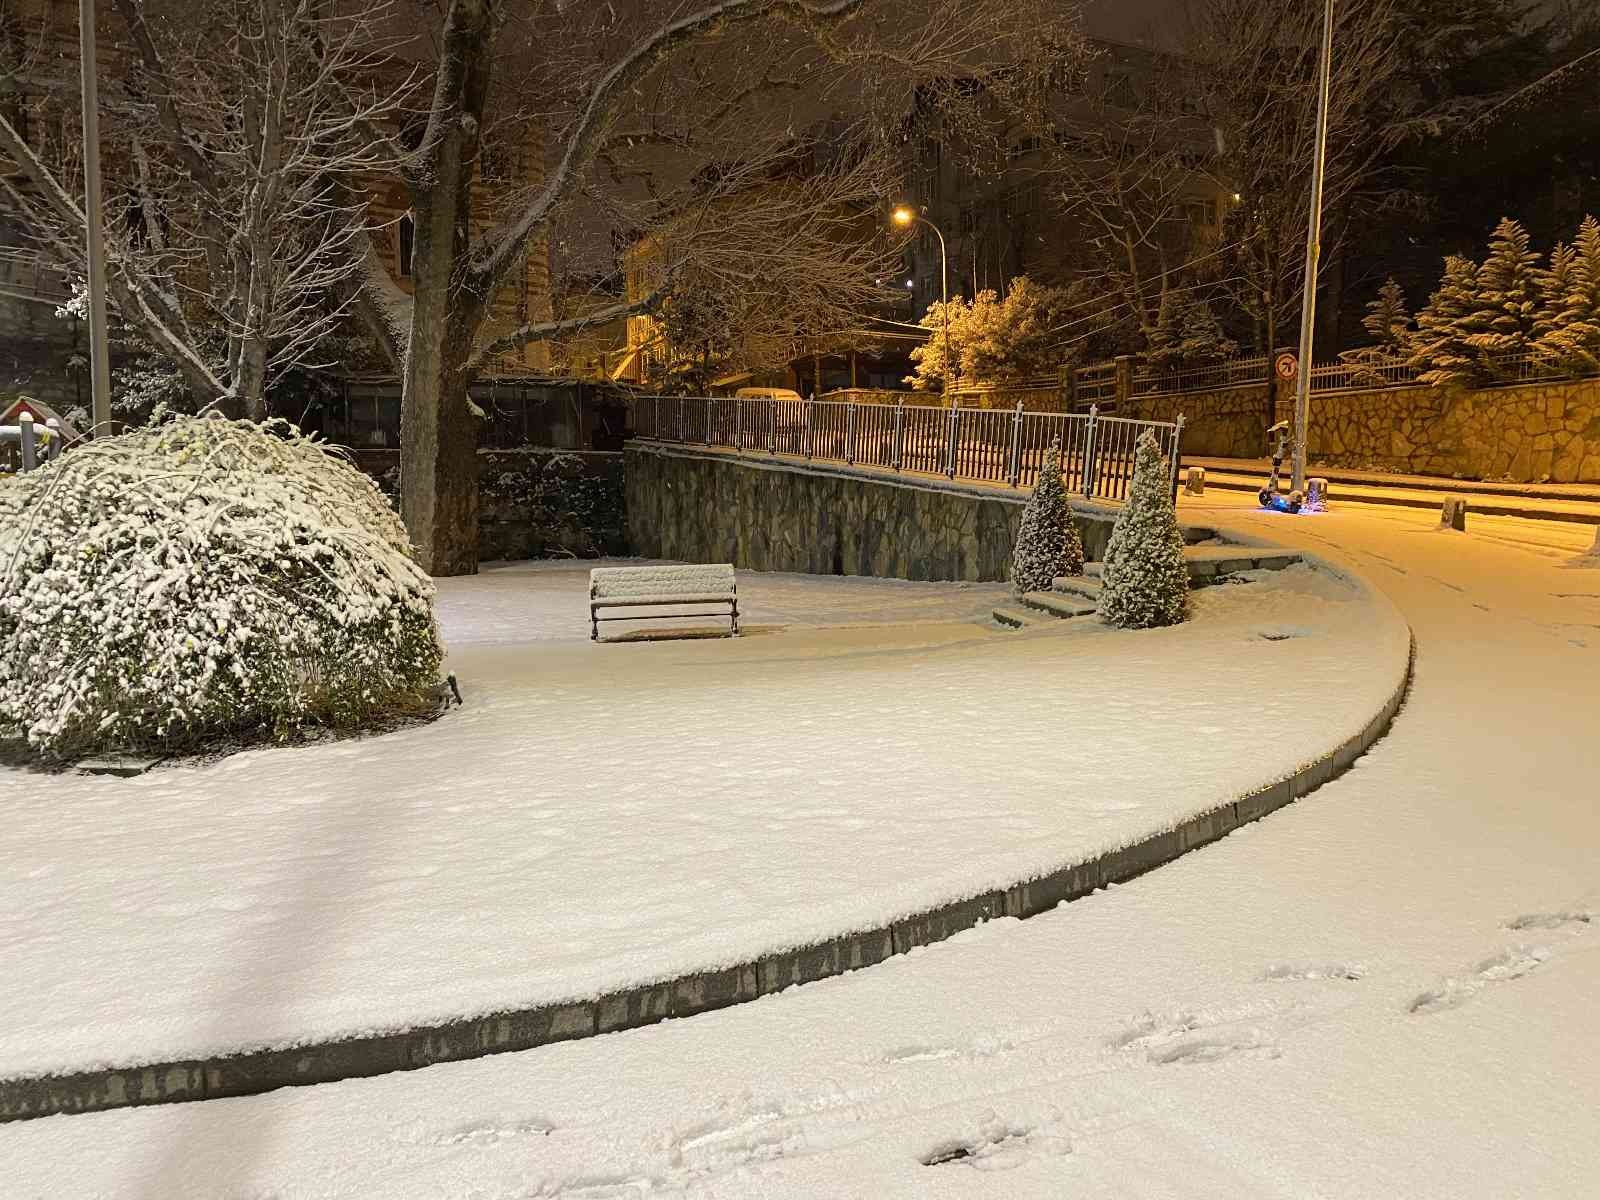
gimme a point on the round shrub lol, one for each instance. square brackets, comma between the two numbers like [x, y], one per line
[202, 579]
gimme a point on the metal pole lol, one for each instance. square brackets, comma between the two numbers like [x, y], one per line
[1014, 473]
[1089, 449]
[25, 439]
[899, 431]
[1308, 304]
[99, 363]
[955, 432]
[850, 434]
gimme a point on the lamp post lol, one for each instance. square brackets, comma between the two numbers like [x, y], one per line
[1308, 303]
[99, 364]
[905, 215]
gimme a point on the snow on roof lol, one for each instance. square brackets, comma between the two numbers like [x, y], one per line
[41, 412]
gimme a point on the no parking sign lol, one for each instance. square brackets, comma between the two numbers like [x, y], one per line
[1285, 365]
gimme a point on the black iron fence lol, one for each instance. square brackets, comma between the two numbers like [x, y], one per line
[984, 445]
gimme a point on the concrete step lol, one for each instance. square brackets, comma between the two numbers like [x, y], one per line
[1058, 605]
[1207, 564]
[1077, 585]
[1017, 618]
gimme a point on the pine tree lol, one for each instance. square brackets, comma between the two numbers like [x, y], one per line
[1387, 319]
[1186, 332]
[1438, 349]
[1048, 542]
[1145, 581]
[1567, 332]
[1508, 297]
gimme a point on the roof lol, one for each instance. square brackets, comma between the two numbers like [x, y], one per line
[41, 412]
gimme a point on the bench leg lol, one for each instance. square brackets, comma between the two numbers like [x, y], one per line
[734, 615]
[594, 621]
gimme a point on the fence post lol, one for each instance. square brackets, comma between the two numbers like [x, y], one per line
[683, 419]
[850, 434]
[30, 456]
[711, 418]
[955, 433]
[1124, 381]
[738, 425]
[899, 432]
[54, 449]
[1069, 387]
[809, 437]
[772, 427]
[1177, 436]
[1088, 452]
[655, 428]
[1014, 475]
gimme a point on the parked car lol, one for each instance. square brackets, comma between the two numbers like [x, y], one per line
[755, 393]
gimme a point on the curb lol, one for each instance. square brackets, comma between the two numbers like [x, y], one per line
[258, 1071]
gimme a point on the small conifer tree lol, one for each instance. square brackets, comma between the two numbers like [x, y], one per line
[1508, 297]
[1439, 348]
[1048, 542]
[1567, 332]
[1145, 581]
[1387, 319]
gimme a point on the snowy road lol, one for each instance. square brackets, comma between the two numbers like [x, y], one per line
[1388, 989]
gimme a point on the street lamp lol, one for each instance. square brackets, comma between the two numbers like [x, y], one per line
[905, 215]
[1308, 303]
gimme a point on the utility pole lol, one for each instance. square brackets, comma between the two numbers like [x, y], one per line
[99, 363]
[1308, 305]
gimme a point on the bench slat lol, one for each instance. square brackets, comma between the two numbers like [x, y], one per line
[685, 598]
[675, 580]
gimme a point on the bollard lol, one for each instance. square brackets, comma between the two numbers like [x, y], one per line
[30, 452]
[1194, 483]
[1316, 495]
[1454, 514]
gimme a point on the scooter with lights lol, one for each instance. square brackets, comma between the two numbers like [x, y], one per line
[1269, 495]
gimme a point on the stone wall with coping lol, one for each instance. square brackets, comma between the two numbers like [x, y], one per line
[783, 515]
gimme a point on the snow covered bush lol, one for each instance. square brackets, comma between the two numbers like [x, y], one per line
[1145, 581]
[1048, 543]
[204, 578]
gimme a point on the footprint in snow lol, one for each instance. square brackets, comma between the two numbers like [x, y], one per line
[1284, 971]
[1193, 1039]
[998, 1146]
[1511, 963]
[1552, 920]
[482, 1133]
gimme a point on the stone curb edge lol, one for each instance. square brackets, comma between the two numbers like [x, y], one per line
[258, 1071]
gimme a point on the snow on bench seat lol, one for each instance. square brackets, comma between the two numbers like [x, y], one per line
[674, 586]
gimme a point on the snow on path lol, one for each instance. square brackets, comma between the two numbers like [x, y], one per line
[599, 817]
[1258, 1019]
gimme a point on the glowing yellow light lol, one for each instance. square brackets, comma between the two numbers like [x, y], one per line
[903, 215]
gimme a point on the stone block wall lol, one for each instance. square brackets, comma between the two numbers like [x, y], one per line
[1228, 423]
[705, 506]
[536, 503]
[1527, 432]
[1523, 432]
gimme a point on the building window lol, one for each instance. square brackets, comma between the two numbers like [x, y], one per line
[406, 236]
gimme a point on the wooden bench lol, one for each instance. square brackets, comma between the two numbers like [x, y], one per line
[675, 587]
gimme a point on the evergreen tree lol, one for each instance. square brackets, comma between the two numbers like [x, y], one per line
[1439, 347]
[1186, 332]
[1568, 329]
[1145, 581]
[1048, 543]
[1508, 297]
[1387, 319]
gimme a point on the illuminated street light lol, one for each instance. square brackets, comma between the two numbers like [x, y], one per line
[905, 215]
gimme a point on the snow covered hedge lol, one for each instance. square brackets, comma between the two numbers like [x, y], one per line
[203, 578]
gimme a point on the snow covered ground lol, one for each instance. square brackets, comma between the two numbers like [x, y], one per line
[1386, 990]
[601, 816]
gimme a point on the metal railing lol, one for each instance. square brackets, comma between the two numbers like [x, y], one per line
[1153, 381]
[983, 445]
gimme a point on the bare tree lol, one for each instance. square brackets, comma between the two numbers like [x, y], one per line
[238, 219]
[1252, 70]
[673, 102]
[1124, 170]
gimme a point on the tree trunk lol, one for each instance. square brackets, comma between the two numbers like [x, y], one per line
[438, 428]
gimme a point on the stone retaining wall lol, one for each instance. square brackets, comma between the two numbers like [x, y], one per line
[784, 515]
[1228, 423]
